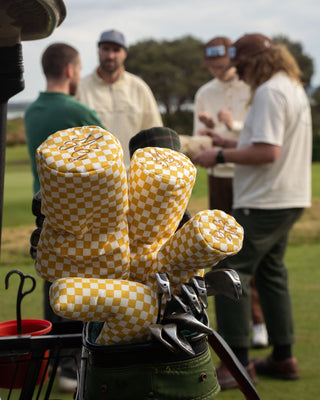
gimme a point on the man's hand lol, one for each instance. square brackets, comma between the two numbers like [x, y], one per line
[225, 116]
[206, 119]
[206, 158]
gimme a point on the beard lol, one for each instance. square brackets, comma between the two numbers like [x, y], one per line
[109, 66]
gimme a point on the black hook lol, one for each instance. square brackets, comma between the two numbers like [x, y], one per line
[21, 294]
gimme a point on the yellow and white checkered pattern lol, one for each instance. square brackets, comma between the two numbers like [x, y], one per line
[127, 307]
[85, 201]
[160, 185]
[209, 237]
[98, 233]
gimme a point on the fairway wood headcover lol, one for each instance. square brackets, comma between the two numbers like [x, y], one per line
[100, 254]
[160, 185]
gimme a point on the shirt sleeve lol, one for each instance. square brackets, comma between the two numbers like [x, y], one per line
[269, 113]
[198, 107]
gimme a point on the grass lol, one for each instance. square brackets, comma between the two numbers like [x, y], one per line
[17, 188]
[302, 260]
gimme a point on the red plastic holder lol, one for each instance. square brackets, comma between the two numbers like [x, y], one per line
[13, 369]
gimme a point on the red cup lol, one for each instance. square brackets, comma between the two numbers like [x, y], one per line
[16, 367]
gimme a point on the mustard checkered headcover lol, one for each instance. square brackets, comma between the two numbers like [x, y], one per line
[207, 238]
[160, 185]
[85, 201]
[127, 307]
[89, 224]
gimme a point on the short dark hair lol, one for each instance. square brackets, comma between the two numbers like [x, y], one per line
[56, 57]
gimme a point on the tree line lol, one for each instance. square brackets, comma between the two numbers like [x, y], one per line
[173, 70]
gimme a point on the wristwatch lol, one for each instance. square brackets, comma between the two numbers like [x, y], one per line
[220, 158]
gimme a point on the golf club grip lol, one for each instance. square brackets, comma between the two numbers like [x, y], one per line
[226, 355]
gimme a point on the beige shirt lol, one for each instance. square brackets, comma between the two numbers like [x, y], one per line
[213, 97]
[125, 107]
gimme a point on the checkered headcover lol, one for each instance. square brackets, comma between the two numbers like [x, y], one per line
[91, 218]
[127, 307]
[85, 201]
[207, 238]
[160, 185]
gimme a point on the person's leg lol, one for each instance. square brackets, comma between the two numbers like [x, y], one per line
[256, 310]
[220, 193]
[259, 330]
[233, 317]
[271, 278]
[264, 232]
[272, 282]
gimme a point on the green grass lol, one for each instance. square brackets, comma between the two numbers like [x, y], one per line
[200, 188]
[17, 188]
[302, 260]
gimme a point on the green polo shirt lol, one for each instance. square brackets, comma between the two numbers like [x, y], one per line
[53, 112]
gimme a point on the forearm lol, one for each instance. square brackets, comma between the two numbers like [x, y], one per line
[254, 154]
[259, 153]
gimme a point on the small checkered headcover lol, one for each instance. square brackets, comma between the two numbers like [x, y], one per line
[207, 238]
[160, 185]
[85, 201]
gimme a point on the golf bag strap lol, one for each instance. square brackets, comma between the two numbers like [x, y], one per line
[227, 356]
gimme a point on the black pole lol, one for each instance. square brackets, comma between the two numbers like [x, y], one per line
[11, 83]
[3, 120]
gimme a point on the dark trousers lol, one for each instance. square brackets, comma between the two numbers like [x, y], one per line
[256, 310]
[221, 197]
[266, 235]
[220, 193]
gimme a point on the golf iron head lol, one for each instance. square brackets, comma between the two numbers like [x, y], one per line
[163, 284]
[176, 305]
[189, 322]
[190, 297]
[157, 332]
[225, 282]
[168, 336]
[172, 332]
[199, 286]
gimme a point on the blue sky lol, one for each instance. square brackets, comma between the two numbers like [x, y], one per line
[172, 19]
